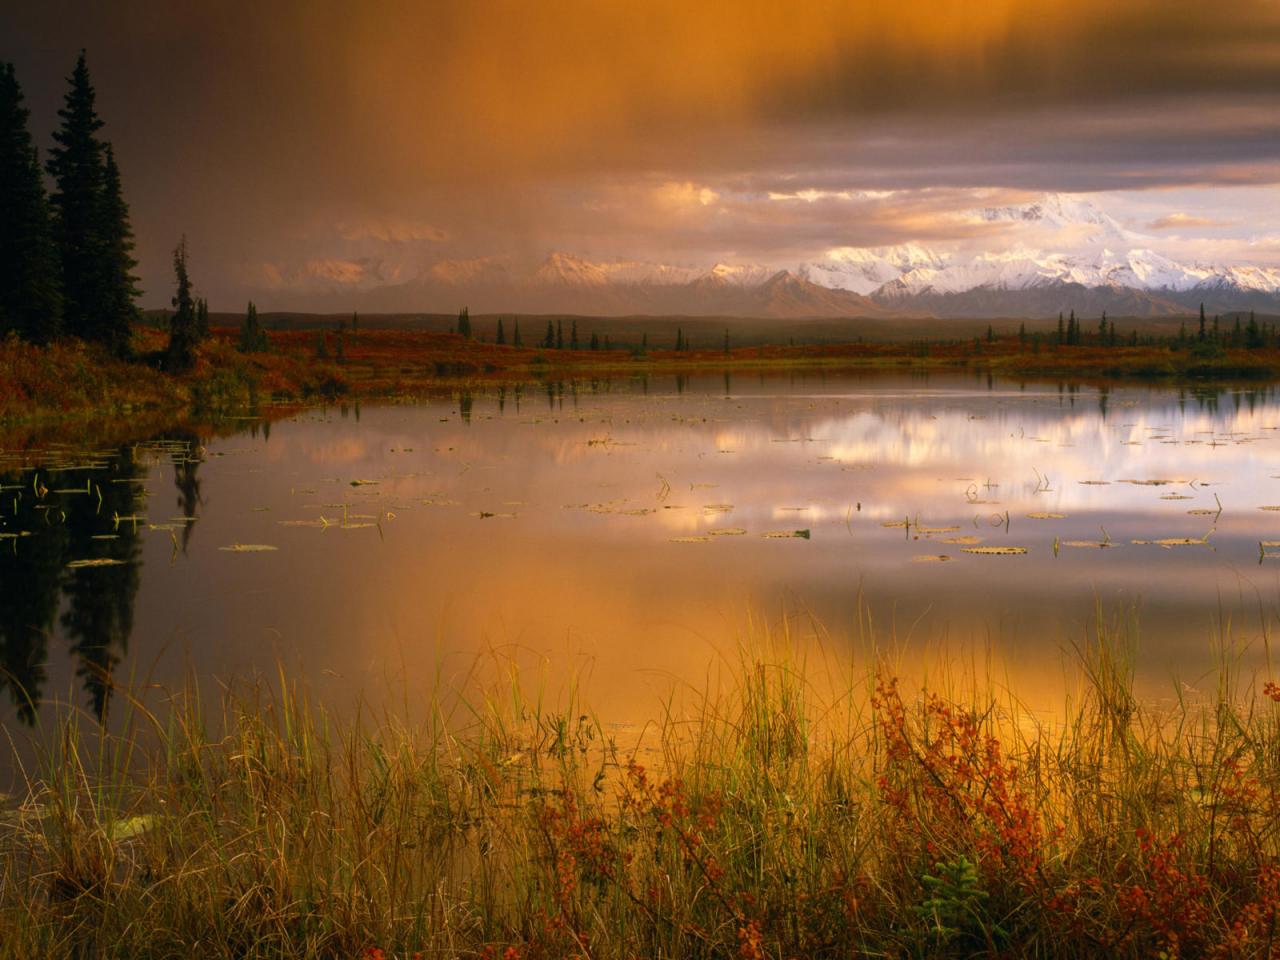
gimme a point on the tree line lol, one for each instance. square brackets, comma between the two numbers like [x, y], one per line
[66, 256]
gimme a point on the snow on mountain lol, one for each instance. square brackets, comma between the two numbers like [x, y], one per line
[644, 272]
[1057, 252]
[864, 270]
[738, 274]
[566, 270]
[1056, 211]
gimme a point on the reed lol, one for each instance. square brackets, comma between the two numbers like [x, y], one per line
[803, 809]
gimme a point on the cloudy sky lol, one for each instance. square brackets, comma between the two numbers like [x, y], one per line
[386, 136]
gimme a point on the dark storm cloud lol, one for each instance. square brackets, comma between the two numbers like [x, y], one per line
[292, 130]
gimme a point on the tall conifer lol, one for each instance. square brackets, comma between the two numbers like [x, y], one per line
[119, 310]
[30, 287]
[77, 167]
[183, 325]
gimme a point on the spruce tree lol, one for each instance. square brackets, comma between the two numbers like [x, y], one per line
[726, 340]
[77, 167]
[464, 323]
[501, 339]
[119, 310]
[1202, 334]
[515, 334]
[573, 335]
[559, 334]
[595, 341]
[355, 323]
[1060, 332]
[549, 339]
[30, 287]
[679, 338]
[253, 339]
[183, 330]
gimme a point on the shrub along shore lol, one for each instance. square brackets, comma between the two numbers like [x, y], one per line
[73, 380]
[873, 820]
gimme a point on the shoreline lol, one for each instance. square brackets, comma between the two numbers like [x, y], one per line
[70, 384]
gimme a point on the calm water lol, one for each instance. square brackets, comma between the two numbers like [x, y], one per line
[627, 536]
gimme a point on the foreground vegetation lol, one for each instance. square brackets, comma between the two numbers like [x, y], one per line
[777, 821]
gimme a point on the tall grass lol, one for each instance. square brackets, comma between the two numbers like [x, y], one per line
[804, 811]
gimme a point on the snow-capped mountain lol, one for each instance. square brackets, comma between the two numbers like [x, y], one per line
[865, 270]
[1054, 211]
[1054, 254]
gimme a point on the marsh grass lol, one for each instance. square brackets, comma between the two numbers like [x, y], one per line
[800, 809]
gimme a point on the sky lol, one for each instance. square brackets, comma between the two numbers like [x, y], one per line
[365, 142]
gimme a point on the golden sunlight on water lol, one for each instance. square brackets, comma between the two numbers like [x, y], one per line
[627, 540]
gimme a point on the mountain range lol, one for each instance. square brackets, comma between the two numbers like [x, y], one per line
[1094, 264]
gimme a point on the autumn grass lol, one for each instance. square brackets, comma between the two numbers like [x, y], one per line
[71, 381]
[804, 810]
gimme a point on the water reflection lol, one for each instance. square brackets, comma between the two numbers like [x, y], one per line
[634, 532]
[73, 542]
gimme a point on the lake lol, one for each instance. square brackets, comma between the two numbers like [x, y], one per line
[624, 536]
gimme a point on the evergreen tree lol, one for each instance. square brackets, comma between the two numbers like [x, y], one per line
[183, 330]
[253, 339]
[501, 338]
[30, 283]
[119, 309]
[91, 223]
[991, 334]
[202, 320]
[644, 342]
[726, 340]
[679, 339]
[1201, 335]
[1237, 333]
[1022, 334]
[559, 334]
[595, 341]
[549, 338]
[1216, 329]
[76, 165]
[1060, 331]
[1253, 334]
[464, 323]
[573, 335]
[607, 344]
[515, 334]
[1102, 328]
